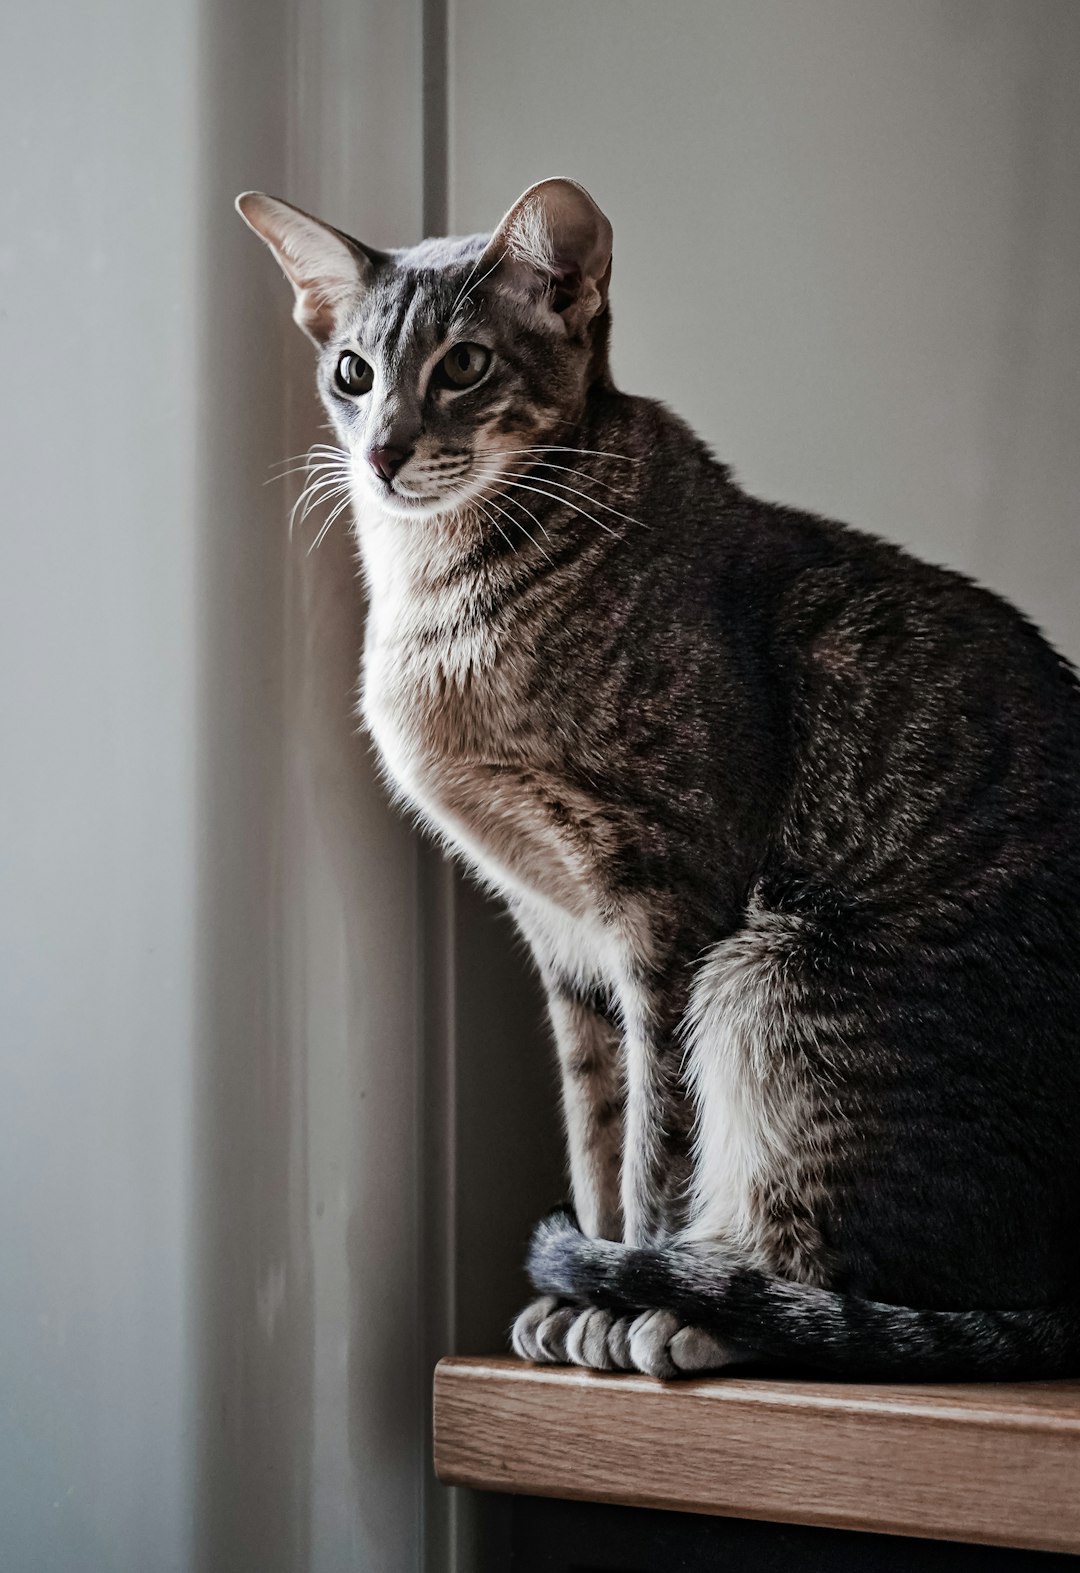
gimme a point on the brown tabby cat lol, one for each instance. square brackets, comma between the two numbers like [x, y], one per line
[790, 820]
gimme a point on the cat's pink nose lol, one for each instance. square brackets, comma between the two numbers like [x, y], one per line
[386, 462]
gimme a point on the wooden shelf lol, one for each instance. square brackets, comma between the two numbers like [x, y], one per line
[995, 1464]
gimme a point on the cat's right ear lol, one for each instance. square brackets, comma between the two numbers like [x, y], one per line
[554, 246]
[326, 268]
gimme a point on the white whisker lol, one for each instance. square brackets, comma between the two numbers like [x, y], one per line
[309, 495]
[517, 503]
[329, 471]
[309, 469]
[319, 492]
[505, 475]
[329, 494]
[321, 448]
[566, 502]
[496, 523]
[490, 501]
[466, 289]
[572, 469]
[324, 527]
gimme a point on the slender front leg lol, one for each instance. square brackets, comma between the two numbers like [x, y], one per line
[589, 1052]
[653, 1186]
[592, 1096]
[642, 1180]
[657, 1122]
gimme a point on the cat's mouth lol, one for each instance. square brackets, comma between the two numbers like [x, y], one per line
[442, 484]
[424, 495]
[422, 498]
[405, 502]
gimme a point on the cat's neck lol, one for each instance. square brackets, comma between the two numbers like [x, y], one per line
[581, 491]
[401, 556]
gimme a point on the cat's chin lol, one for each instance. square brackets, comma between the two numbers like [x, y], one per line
[396, 505]
[415, 508]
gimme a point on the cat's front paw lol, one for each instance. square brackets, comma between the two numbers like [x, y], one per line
[552, 1332]
[540, 1331]
[655, 1343]
[589, 1343]
[600, 1340]
[660, 1345]
[549, 1331]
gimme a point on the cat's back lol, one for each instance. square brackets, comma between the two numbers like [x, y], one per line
[921, 723]
[932, 732]
[833, 601]
[858, 617]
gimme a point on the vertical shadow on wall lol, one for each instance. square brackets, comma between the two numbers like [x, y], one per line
[252, 1302]
[492, 1088]
[510, 1164]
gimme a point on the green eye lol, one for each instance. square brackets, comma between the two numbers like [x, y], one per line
[463, 366]
[353, 374]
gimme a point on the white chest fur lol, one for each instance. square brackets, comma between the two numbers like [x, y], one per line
[443, 697]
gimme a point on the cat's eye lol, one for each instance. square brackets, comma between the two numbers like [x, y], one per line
[463, 366]
[353, 374]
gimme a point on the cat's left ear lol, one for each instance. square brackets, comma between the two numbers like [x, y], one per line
[327, 269]
[554, 246]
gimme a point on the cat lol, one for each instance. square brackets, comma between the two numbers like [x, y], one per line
[789, 819]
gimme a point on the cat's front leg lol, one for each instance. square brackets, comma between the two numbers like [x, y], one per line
[655, 1125]
[588, 1048]
[592, 1098]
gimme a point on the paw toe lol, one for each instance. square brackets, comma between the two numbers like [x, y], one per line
[552, 1332]
[587, 1340]
[650, 1335]
[691, 1351]
[618, 1343]
[523, 1334]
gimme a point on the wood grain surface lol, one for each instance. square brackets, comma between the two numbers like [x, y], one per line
[996, 1464]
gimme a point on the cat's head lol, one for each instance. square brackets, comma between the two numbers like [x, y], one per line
[440, 364]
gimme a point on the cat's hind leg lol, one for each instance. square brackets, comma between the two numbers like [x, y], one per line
[762, 1135]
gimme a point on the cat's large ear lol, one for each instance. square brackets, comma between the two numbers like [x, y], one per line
[326, 269]
[554, 245]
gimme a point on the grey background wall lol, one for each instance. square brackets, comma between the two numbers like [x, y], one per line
[275, 1107]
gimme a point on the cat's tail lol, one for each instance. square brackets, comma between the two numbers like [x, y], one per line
[815, 1328]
